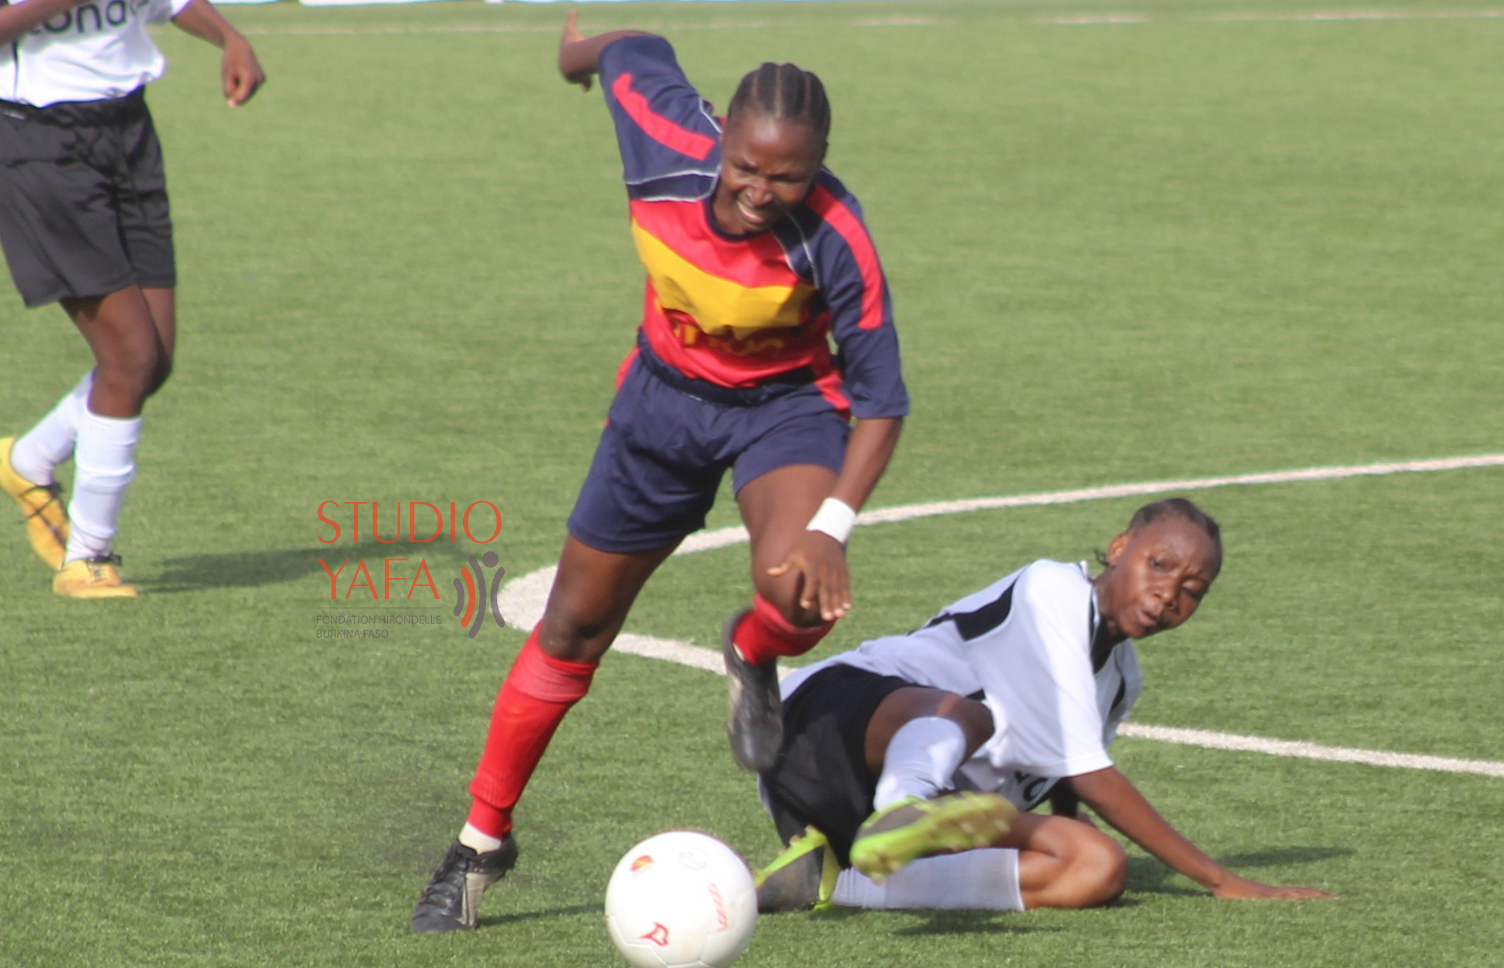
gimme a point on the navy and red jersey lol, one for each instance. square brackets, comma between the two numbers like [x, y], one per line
[737, 311]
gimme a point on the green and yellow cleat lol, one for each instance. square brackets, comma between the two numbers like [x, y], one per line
[914, 828]
[802, 878]
[42, 506]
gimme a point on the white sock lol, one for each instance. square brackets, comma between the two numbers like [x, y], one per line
[973, 880]
[103, 465]
[921, 760]
[478, 841]
[36, 453]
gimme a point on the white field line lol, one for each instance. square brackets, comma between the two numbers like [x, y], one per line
[1308, 751]
[1082, 20]
[503, 28]
[522, 600]
[1296, 16]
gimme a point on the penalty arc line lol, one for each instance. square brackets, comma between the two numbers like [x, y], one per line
[523, 599]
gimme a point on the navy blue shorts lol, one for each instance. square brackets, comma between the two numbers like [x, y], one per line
[666, 447]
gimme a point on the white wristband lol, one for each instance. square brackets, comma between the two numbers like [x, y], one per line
[834, 518]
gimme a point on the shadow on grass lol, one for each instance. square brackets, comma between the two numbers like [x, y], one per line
[250, 569]
[1151, 877]
[563, 912]
[971, 922]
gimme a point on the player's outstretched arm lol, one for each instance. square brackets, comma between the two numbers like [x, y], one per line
[579, 56]
[19, 19]
[818, 558]
[239, 70]
[1116, 800]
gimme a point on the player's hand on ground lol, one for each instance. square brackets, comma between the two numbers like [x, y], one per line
[819, 562]
[240, 71]
[1242, 889]
[572, 35]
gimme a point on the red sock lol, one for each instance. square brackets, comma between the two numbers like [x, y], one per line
[532, 702]
[764, 634]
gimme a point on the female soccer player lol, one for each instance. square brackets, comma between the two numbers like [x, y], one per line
[921, 744]
[84, 222]
[756, 258]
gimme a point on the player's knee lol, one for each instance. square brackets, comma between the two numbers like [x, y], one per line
[974, 718]
[1101, 868]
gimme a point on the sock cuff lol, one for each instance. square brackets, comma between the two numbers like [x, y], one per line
[541, 676]
[124, 430]
[764, 634]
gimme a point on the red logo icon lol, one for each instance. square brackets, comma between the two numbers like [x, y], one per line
[659, 935]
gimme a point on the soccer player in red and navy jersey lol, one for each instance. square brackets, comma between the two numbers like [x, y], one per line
[757, 260]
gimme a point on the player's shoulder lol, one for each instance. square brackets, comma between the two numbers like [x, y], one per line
[638, 52]
[1050, 582]
[831, 201]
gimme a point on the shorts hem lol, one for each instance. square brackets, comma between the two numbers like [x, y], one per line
[623, 546]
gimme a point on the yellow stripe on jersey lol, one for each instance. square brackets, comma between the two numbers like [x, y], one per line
[718, 306]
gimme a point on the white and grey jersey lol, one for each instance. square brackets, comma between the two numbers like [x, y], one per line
[97, 50]
[1022, 646]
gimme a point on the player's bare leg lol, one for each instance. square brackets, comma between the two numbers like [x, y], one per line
[775, 507]
[592, 593]
[1065, 863]
[133, 356]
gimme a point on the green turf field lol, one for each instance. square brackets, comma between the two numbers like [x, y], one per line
[1228, 238]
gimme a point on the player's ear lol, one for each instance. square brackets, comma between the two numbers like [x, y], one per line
[1115, 549]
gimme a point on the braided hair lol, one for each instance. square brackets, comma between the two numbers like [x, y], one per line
[783, 92]
[1175, 507]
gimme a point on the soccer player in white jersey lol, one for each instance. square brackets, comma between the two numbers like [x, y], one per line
[898, 755]
[84, 222]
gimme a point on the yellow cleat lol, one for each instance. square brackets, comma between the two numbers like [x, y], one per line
[92, 578]
[42, 505]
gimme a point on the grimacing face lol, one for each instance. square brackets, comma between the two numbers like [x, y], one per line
[1156, 576]
[767, 168]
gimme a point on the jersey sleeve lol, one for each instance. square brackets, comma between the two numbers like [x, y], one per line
[1043, 679]
[161, 11]
[667, 133]
[849, 276]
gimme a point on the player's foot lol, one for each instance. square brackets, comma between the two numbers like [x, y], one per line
[42, 505]
[452, 897]
[755, 720]
[802, 878]
[92, 578]
[913, 828]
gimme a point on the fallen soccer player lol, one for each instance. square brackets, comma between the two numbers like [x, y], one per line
[908, 765]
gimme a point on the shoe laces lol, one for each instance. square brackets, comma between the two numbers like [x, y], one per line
[98, 563]
[54, 492]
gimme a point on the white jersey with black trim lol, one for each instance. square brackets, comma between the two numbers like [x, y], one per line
[1023, 646]
[97, 50]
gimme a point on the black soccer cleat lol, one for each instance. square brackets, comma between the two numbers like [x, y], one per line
[754, 721]
[452, 897]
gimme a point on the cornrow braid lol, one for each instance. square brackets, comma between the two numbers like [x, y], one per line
[1182, 508]
[783, 92]
[1174, 507]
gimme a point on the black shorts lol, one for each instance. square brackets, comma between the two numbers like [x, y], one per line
[83, 199]
[821, 777]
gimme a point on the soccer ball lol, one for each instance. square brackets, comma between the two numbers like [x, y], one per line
[681, 899]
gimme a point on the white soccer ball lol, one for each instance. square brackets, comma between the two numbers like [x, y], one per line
[681, 899]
